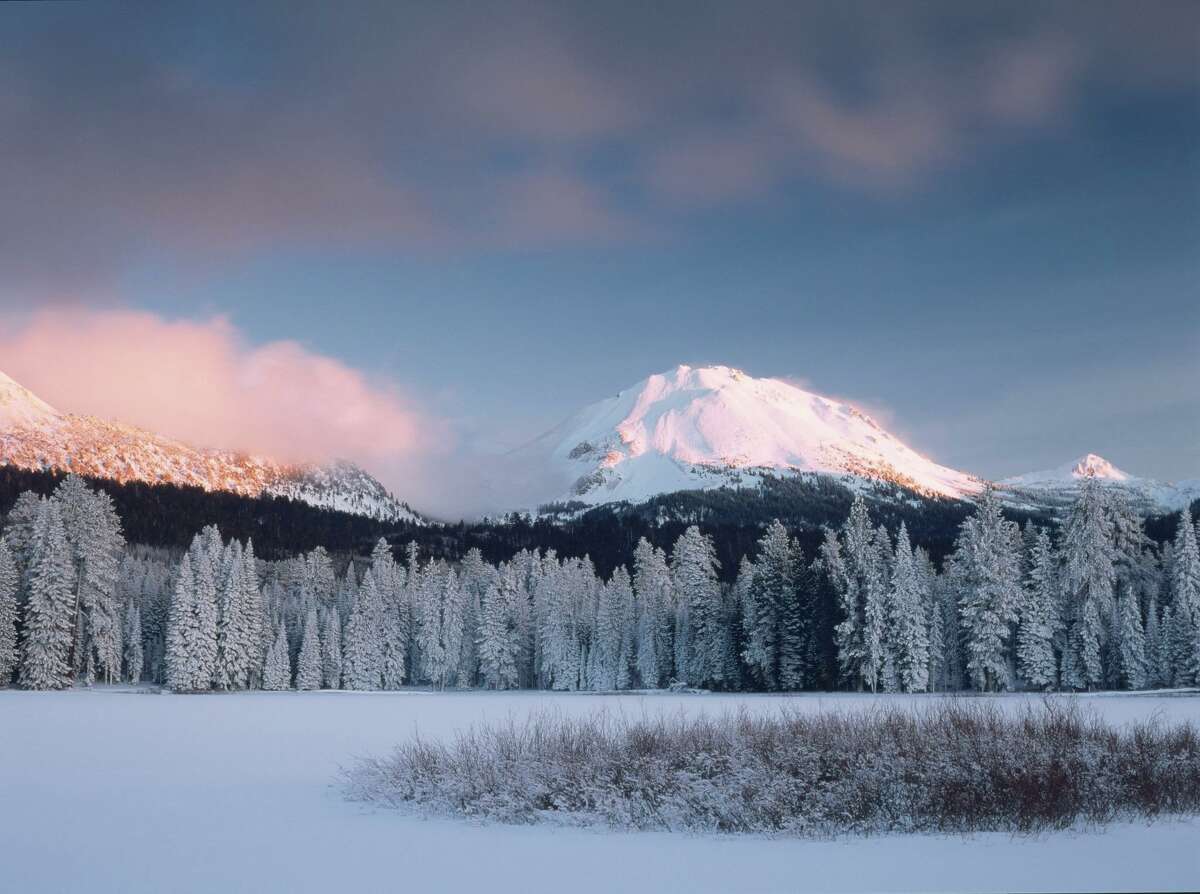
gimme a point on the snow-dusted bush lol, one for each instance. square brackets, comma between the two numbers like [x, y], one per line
[957, 765]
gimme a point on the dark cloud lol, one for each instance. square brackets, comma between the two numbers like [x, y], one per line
[210, 131]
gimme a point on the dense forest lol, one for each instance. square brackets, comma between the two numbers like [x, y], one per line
[1092, 603]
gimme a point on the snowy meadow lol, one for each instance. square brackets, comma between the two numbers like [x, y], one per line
[118, 789]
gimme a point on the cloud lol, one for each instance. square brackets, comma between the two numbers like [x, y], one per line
[203, 383]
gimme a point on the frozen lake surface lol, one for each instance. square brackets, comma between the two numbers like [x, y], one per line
[112, 790]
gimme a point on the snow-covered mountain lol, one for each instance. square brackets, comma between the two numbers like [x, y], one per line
[34, 435]
[699, 428]
[1059, 486]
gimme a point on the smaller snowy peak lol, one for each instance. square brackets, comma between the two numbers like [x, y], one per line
[20, 407]
[1090, 465]
[1058, 486]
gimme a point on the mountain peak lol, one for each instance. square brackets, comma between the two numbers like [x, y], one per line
[695, 428]
[1091, 465]
[20, 407]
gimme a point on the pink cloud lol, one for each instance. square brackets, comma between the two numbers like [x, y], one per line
[203, 383]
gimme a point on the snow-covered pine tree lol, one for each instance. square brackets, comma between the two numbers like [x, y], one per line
[308, 665]
[49, 609]
[935, 622]
[652, 589]
[498, 646]
[771, 588]
[8, 614]
[614, 614]
[694, 578]
[394, 606]
[859, 575]
[910, 634]
[1088, 578]
[202, 625]
[1132, 670]
[439, 621]
[232, 661]
[277, 670]
[180, 672]
[133, 643]
[331, 650]
[93, 531]
[474, 577]
[1185, 595]
[987, 567]
[1039, 622]
[362, 647]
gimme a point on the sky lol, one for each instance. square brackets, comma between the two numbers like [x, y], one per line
[420, 234]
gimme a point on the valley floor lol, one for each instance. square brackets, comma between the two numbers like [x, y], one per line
[116, 790]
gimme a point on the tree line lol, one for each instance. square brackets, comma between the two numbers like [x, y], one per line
[1093, 603]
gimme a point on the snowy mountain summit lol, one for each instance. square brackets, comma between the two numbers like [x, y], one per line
[1059, 486]
[35, 436]
[698, 428]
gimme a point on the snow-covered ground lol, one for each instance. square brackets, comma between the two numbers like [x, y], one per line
[114, 790]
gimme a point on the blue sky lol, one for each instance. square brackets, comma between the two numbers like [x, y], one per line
[980, 220]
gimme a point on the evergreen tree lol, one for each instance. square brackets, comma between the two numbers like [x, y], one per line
[277, 670]
[1185, 589]
[987, 566]
[133, 643]
[909, 620]
[308, 667]
[180, 673]
[1132, 669]
[8, 615]
[331, 651]
[652, 589]
[498, 646]
[49, 620]
[612, 651]
[772, 587]
[1039, 621]
[694, 568]
[363, 649]
[1088, 577]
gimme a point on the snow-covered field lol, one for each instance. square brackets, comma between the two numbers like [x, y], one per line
[114, 790]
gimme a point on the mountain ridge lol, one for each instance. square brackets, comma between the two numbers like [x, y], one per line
[35, 436]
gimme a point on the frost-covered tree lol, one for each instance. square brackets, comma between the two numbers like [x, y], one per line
[49, 625]
[498, 644]
[771, 587]
[331, 650]
[8, 615]
[910, 633]
[93, 532]
[133, 643]
[1039, 617]
[1132, 670]
[180, 673]
[612, 650]
[363, 646]
[1088, 578]
[987, 567]
[860, 576]
[277, 670]
[694, 568]
[439, 620]
[1185, 590]
[652, 590]
[308, 665]
[394, 609]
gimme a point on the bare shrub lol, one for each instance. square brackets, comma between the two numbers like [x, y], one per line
[953, 766]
